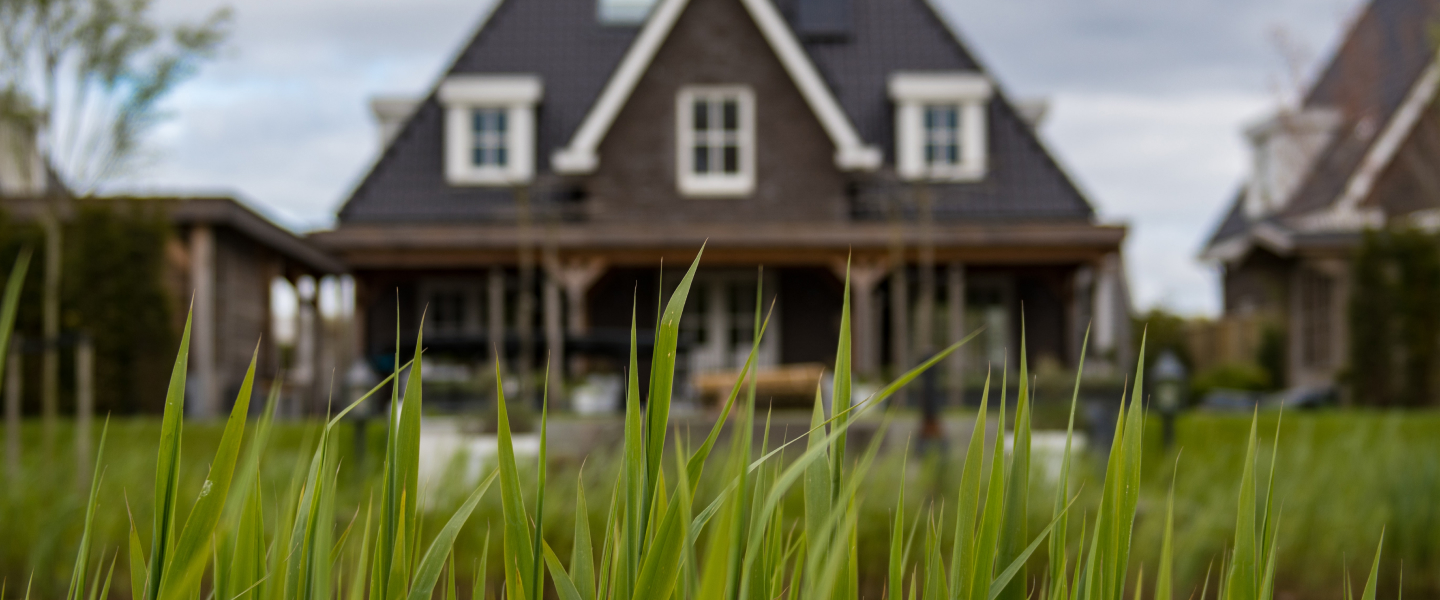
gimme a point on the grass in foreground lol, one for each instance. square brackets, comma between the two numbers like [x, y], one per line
[660, 538]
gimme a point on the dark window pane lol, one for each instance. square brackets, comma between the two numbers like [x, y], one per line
[732, 159]
[702, 115]
[731, 116]
[950, 118]
[499, 121]
[929, 153]
[477, 156]
[500, 156]
[952, 154]
[930, 118]
[702, 159]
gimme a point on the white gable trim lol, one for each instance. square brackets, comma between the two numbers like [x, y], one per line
[851, 153]
[1362, 181]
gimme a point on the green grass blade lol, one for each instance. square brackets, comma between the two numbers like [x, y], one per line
[167, 469]
[139, 572]
[537, 579]
[477, 591]
[896, 579]
[696, 466]
[519, 562]
[992, 518]
[82, 559]
[968, 503]
[662, 378]
[633, 523]
[582, 560]
[1164, 588]
[564, 586]
[661, 566]
[1058, 558]
[1006, 577]
[817, 478]
[840, 384]
[1372, 582]
[1242, 584]
[1017, 479]
[428, 571]
[191, 550]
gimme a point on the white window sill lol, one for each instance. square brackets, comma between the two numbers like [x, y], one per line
[484, 177]
[717, 187]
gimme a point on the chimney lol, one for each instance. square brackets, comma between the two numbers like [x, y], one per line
[390, 113]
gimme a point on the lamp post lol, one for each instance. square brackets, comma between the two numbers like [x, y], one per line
[1169, 375]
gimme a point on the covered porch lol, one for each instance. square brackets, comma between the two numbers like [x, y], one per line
[504, 295]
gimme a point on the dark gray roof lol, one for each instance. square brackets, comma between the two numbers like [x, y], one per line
[1373, 70]
[563, 43]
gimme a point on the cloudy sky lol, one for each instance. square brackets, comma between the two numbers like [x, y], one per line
[1147, 103]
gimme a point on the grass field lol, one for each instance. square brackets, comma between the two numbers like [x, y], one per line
[1342, 476]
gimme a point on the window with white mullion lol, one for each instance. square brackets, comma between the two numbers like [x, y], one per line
[488, 131]
[716, 141]
[942, 136]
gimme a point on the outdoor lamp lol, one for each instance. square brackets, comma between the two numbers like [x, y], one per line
[1169, 376]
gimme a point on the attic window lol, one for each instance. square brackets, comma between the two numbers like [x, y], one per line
[623, 12]
[490, 128]
[715, 141]
[940, 125]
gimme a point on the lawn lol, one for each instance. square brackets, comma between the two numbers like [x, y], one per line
[1341, 477]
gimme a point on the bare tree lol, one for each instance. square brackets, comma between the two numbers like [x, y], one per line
[82, 81]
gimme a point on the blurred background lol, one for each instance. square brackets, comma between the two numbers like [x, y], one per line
[1248, 187]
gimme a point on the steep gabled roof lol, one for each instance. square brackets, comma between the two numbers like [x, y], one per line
[1380, 79]
[851, 151]
[563, 43]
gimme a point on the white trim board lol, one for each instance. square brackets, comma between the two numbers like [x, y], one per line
[851, 153]
[1362, 181]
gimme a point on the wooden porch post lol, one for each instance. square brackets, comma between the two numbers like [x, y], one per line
[202, 280]
[865, 274]
[576, 276]
[495, 320]
[554, 339]
[1107, 296]
[955, 318]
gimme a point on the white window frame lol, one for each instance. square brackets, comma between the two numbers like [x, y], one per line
[714, 185]
[912, 93]
[517, 95]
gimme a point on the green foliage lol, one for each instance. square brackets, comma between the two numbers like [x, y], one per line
[1394, 319]
[113, 291]
[1162, 330]
[1234, 376]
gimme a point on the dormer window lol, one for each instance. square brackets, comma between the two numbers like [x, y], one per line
[715, 141]
[942, 136]
[490, 128]
[940, 125]
[487, 132]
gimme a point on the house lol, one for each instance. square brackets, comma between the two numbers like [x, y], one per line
[220, 259]
[525, 204]
[1358, 152]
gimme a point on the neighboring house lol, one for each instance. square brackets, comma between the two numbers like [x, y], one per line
[1362, 150]
[220, 263]
[526, 203]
